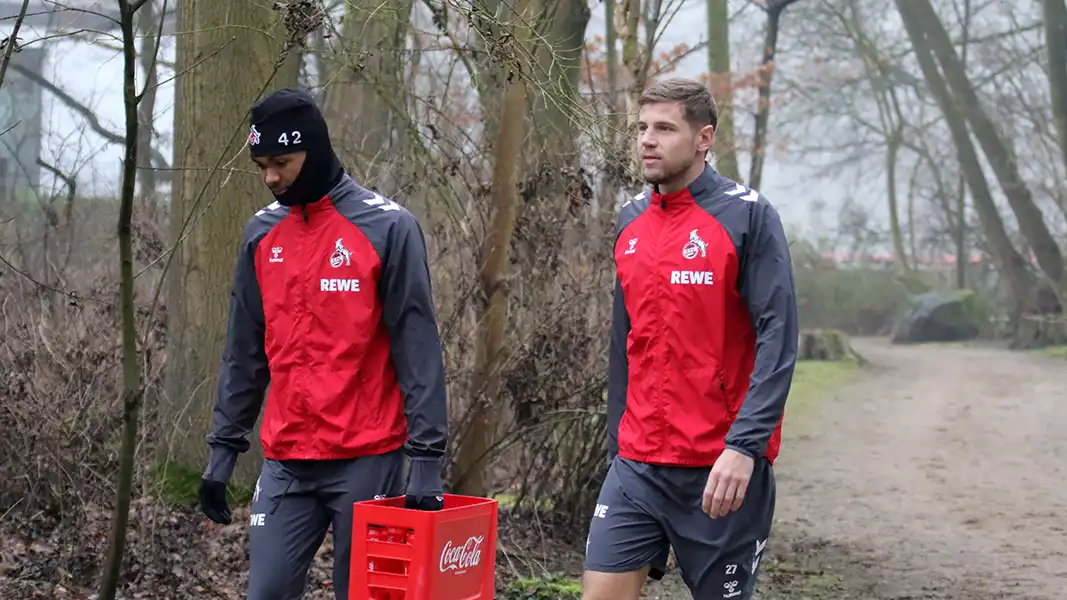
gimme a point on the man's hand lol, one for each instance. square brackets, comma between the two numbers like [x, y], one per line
[424, 485]
[212, 496]
[727, 483]
[415, 502]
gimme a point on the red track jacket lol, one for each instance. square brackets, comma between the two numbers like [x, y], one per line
[332, 307]
[704, 325]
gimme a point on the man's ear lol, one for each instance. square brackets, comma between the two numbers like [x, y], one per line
[706, 138]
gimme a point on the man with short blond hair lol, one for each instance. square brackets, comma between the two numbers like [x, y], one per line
[703, 346]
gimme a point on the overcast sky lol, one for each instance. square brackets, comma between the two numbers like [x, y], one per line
[92, 73]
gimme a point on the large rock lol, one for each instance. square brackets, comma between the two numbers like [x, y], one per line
[940, 317]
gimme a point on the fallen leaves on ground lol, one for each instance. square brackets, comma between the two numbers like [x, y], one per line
[176, 553]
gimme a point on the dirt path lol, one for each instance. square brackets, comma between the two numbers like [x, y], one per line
[941, 471]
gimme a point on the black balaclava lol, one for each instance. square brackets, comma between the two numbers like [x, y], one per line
[287, 121]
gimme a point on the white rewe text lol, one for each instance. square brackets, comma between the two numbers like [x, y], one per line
[461, 558]
[692, 277]
[338, 285]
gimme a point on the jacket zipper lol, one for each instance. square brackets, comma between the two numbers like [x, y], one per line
[663, 293]
[303, 307]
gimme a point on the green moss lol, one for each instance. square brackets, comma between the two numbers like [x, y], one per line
[505, 499]
[508, 499]
[550, 586]
[1053, 351]
[178, 484]
[813, 378]
[977, 308]
[814, 381]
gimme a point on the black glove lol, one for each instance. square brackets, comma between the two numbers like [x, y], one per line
[425, 491]
[212, 496]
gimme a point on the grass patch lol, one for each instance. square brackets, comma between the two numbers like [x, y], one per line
[178, 484]
[813, 380]
[550, 586]
[801, 568]
[507, 499]
[1053, 351]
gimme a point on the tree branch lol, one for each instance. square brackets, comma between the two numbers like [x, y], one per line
[12, 42]
[83, 110]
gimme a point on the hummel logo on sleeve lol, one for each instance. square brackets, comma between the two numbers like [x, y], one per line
[381, 203]
[273, 206]
[751, 196]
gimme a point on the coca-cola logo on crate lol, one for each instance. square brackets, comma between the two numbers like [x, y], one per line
[460, 558]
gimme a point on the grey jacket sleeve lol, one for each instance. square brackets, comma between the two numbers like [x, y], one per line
[243, 374]
[415, 342]
[618, 368]
[769, 290]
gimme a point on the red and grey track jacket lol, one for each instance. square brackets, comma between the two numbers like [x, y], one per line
[332, 307]
[703, 328]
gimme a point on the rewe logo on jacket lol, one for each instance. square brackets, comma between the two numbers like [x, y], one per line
[338, 285]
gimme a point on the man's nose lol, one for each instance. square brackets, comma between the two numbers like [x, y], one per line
[270, 176]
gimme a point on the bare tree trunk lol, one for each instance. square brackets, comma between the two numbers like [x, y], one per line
[961, 232]
[722, 87]
[763, 109]
[147, 25]
[627, 18]
[211, 202]
[132, 388]
[891, 152]
[611, 41]
[474, 451]
[489, 18]
[1011, 264]
[891, 121]
[12, 40]
[364, 103]
[1056, 44]
[961, 198]
[555, 99]
[1001, 159]
[913, 247]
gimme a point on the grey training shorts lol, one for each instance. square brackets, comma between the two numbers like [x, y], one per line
[643, 510]
[296, 502]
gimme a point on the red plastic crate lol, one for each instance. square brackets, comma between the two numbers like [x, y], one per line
[401, 554]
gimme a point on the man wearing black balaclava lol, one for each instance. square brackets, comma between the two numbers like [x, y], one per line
[290, 144]
[332, 306]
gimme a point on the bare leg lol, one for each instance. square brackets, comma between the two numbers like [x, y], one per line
[613, 586]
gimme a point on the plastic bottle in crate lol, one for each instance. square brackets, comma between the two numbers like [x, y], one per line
[409, 539]
[394, 535]
[374, 534]
[378, 534]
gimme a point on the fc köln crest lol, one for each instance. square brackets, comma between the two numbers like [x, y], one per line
[341, 255]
